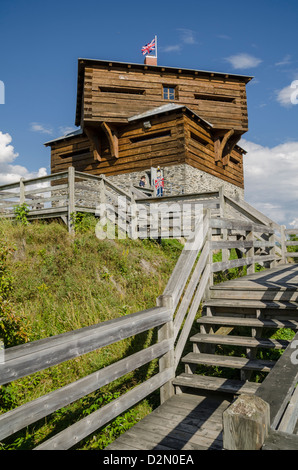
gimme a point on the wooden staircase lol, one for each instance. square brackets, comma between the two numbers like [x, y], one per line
[235, 326]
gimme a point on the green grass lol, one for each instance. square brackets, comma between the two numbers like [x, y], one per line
[61, 284]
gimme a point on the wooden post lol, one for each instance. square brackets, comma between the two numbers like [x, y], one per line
[283, 244]
[167, 361]
[134, 217]
[222, 202]
[225, 252]
[210, 255]
[71, 199]
[272, 250]
[246, 423]
[102, 192]
[22, 191]
[250, 253]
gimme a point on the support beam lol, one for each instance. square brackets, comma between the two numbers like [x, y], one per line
[224, 145]
[224, 141]
[94, 142]
[112, 138]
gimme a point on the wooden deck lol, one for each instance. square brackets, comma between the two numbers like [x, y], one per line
[184, 422]
[192, 419]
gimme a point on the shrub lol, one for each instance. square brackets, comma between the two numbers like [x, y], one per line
[21, 213]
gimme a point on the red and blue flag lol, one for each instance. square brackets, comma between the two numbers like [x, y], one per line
[149, 47]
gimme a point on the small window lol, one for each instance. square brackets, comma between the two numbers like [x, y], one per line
[221, 98]
[198, 139]
[128, 91]
[169, 92]
[233, 160]
[155, 135]
[77, 154]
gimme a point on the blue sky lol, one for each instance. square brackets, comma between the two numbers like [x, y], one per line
[41, 42]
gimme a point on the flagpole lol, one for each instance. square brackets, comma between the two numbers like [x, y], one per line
[156, 47]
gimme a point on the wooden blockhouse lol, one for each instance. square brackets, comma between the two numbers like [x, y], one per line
[134, 117]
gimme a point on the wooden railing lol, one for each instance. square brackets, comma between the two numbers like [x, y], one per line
[256, 243]
[279, 390]
[39, 194]
[268, 419]
[290, 243]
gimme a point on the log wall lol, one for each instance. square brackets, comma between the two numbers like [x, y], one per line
[114, 93]
[172, 140]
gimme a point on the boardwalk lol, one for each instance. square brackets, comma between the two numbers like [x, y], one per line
[192, 418]
[184, 422]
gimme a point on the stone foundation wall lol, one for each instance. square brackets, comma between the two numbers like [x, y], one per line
[181, 179]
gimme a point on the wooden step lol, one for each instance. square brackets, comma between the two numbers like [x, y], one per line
[232, 362]
[215, 384]
[270, 295]
[251, 304]
[245, 341]
[250, 322]
[245, 285]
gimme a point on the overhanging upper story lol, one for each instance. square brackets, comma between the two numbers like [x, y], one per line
[137, 116]
[112, 92]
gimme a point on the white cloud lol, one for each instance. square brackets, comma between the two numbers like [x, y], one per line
[243, 61]
[66, 129]
[285, 61]
[187, 36]
[37, 127]
[172, 48]
[271, 179]
[294, 223]
[9, 172]
[288, 95]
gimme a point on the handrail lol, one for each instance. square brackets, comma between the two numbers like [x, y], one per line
[86, 426]
[185, 264]
[211, 195]
[277, 388]
[38, 355]
[258, 244]
[251, 212]
[39, 408]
